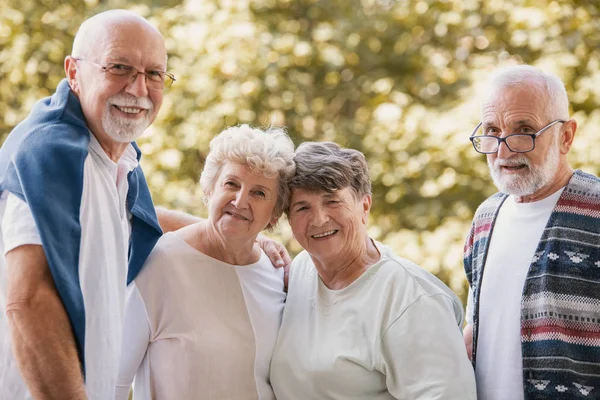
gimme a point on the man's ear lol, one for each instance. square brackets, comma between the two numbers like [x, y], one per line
[567, 136]
[71, 73]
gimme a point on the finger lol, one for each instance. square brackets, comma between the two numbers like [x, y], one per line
[285, 256]
[273, 251]
[286, 277]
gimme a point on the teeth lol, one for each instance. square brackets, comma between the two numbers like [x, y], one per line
[325, 234]
[130, 110]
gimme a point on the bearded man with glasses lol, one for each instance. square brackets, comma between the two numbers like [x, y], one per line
[77, 217]
[532, 256]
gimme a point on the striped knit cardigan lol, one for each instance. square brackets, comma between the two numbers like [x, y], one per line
[560, 305]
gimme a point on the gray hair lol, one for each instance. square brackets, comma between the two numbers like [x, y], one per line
[514, 76]
[270, 153]
[329, 167]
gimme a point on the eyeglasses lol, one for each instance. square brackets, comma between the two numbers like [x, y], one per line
[156, 80]
[516, 142]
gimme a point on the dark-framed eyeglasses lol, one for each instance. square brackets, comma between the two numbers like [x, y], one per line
[156, 80]
[516, 142]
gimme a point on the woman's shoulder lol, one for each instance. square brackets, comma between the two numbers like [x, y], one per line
[163, 259]
[302, 265]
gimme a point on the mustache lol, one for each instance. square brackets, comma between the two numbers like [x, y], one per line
[512, 162]
[126, 100]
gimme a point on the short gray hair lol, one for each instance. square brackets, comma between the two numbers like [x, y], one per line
[519, 75]
[328, 167]
[270, 153]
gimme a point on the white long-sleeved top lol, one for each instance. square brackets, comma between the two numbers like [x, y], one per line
[394, 333]
[199, 328]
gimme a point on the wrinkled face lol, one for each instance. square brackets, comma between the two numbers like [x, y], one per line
[329, 225]
[241, 203]
[521, 110]
[114, 107]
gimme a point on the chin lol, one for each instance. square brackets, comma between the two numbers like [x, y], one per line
[124, 131]
[517, 186]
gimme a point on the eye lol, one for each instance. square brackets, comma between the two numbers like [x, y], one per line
[525, 129]
[260, 193]
[121, 67]
[231, 184]
[301, 208]
[333, 202]
[156, 75]
[492, 131]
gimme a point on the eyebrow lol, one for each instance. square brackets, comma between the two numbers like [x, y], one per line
[125, 60]
[513, 123]
[300, 202]
[237, 178]
[120, 59]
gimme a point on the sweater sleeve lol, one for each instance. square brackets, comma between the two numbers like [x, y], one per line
[423, 353]
[136, 338]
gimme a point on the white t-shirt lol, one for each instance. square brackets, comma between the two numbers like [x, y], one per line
[394, 333]
[103, 263]
[515, 237]
[198, 328]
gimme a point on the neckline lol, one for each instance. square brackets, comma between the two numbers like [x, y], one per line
[174, 236]
[358, 282]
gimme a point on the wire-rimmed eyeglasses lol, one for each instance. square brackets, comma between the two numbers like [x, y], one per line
[157, 80]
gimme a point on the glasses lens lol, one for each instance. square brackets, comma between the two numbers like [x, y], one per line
[486, 144]
[168, 81]
[154, 79]
[119, 69]
[520, 143]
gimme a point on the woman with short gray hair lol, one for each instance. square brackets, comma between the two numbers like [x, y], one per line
[203, 315]
[360, 322]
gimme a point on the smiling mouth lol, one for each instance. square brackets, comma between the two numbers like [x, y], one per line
[236, 216]
[129, 110]
[325, 234]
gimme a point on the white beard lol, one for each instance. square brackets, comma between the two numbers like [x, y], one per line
[528, 183]
[124, 130]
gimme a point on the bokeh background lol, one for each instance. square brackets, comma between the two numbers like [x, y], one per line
[398, 80]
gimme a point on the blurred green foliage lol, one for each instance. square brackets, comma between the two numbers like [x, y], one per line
[396, 79]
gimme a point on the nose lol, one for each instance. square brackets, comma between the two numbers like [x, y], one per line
[138, 87]
[319, 217]
[504, 152]
[241, 199]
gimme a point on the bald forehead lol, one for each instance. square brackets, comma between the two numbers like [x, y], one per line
[115, 25]
[530, 94]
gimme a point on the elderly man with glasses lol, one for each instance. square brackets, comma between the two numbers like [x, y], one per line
[77, 216]
[532, 256]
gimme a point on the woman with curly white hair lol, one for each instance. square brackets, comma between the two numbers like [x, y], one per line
[203, 315]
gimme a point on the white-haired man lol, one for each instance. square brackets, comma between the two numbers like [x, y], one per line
[77, 217]
[532, 256]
